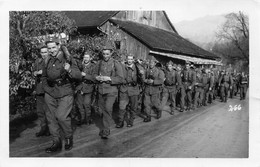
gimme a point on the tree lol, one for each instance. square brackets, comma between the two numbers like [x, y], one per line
[27, 28]
[234, 33]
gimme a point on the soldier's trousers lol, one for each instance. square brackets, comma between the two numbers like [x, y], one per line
[169, 94]
[211, 94]
[206, 96]
[243, 90]
[150, 101]
[182, 97]
[41, 110]
[123, 112]
[87, 105]
[233, 91]
[199, 95]
[80, 103]
[224, 91]
[188, 94]
[58, 115]
[106, 102]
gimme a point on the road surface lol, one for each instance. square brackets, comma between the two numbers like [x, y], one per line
[208, 132]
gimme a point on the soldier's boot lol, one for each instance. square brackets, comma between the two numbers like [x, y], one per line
[56, 146]
[44, 131]
[147, 119]
[172, 111]
[68, 143]
[104, 133]
[120, 124]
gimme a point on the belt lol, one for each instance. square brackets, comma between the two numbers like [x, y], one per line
[88, 82]
[58, 82]
[131, 84]
[170, 84]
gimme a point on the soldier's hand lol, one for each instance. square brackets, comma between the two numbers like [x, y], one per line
[150, 81]
[106, 78]
[99, 78]
[209, 88]
[189, 87]
[39, 72]
[83, 74]
[35, 73]
[67, 67]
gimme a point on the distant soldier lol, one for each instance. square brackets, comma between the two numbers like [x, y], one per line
[199, 89]
[225, 83]
[180, 90]
[211, 89]
[86, 87]
[188, 81]
[172, 80]
[129, 92]
[233, 91]
[40, 102]
[243, 86]
[153, 81]
[109, 75]
[57, 80]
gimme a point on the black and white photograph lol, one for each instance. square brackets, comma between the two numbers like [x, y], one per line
[112, 81]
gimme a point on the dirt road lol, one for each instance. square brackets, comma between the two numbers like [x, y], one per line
[208, 132]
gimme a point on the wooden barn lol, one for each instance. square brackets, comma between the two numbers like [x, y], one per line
[143, 34]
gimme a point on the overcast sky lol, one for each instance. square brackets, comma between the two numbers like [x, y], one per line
[192, 9]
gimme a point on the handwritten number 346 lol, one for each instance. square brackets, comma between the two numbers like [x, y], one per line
[235, 108]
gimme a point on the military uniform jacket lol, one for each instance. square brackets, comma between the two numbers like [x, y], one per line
[87, 84]
[243, 80]
[113, 69]
[189, 76]
[225, 80]
[39, 65]
[211, 80]
[130, 85]
[54, 70]
[158, 77]
[172, 79]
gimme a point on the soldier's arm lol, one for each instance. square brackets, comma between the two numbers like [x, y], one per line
[211, 82]
[160, 79]
[231, 80]
[74, 72]
[119, 76]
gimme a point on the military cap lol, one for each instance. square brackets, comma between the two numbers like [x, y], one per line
[41, 45]
[203, 70]
[52, 39]
[192, 66]
[169, 63]
[108, 46]
[188, 62]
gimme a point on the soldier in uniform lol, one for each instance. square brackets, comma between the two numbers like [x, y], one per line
[153, 80]
[180, 89]
[129, 92]
[225, 83]
[233, 91]
[188, 81]
[199, 89]
[57, 80]
[172, 80]
[211, 86]
[243, 83]
[109, 75]
[40, 102]
[86, 87]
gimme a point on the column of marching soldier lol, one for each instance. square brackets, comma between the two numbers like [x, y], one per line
[136, 86]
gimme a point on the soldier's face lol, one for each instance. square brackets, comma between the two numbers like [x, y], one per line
[53, 49]
[86, 59]
[106, 54]
[130, 60]
[170, 67]
[44, 53]
[151, 64]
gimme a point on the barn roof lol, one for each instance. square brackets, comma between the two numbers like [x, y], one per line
[90, 18]
[161, 40]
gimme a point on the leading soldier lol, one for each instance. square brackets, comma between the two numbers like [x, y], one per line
[57, 80]
[109, 75]
[225, 83]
